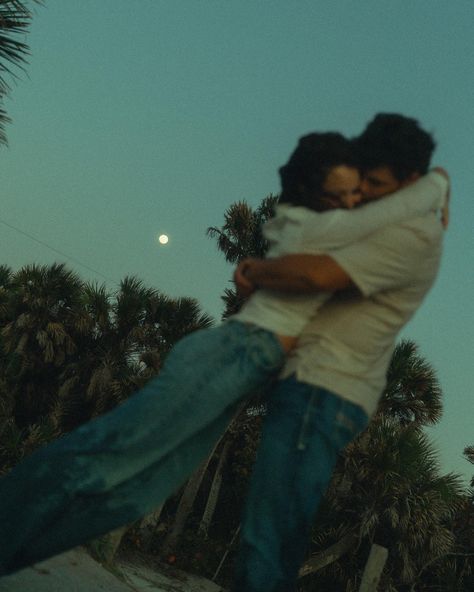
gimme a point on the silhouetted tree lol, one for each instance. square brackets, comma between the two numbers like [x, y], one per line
[15, 18]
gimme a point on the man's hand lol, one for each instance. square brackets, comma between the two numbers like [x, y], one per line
[293, 274]
[445, 209]
[244, 286]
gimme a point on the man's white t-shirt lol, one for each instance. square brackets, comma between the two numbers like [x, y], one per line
[300, 230]
[346, 348]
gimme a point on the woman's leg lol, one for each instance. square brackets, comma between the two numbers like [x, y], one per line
[90, 515]
[206, 373]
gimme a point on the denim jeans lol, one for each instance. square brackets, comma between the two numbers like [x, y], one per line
[305, 429]
[116, 468]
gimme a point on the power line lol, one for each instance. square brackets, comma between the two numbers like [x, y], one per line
[44, 244]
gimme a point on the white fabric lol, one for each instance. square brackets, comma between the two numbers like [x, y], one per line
[300, 230]
[347, 347]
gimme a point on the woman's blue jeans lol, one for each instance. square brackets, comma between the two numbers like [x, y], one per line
[305, 429]
[118, 467]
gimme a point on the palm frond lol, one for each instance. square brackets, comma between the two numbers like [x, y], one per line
[241, 234]
[469, 453]
[6, 274]
[413, 394]
[15, 18]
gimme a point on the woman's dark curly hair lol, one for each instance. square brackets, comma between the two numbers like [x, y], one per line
[302, 177]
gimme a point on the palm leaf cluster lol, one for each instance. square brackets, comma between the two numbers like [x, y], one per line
[412, 394]
[390, 491]
[241, 234]
[15, 18]
[469, 454]
[240, 237]
[71, 350]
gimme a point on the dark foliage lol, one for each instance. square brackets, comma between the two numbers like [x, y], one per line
[70, 350]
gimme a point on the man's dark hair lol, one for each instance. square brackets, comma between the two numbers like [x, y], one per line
[395, 141]
[302, 177]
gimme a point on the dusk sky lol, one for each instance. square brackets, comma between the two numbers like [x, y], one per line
[143, 117]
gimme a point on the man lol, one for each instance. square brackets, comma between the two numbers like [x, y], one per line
[332, 382]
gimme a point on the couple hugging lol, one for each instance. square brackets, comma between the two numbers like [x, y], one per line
[324, 310]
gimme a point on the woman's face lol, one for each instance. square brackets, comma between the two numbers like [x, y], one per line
[341, 188]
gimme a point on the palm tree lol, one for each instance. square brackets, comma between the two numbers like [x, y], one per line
[240, 237]
[396, 498]
[469, 454]
[412, 394]
[454, 572]
[15, 19]
[241, 234]
[38, 336]
[37, 307]
[6, 275]
[70, 350]
[127, 337]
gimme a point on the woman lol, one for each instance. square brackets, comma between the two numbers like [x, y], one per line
[118, 467]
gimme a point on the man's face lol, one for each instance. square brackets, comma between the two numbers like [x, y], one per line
[381, 181]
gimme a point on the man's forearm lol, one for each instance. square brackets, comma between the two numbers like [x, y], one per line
[279, 274]
[298, 274]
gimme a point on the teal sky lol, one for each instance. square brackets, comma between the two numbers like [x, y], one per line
[142, 117]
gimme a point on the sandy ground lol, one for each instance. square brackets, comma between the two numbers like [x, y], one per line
[76, 571]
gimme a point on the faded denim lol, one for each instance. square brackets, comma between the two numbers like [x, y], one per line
[305, 429]
[118, 467]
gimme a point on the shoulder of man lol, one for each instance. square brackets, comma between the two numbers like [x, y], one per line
[394, 256]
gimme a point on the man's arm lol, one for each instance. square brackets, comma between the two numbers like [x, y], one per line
[302, 274]
[337, 228]
[297, 274]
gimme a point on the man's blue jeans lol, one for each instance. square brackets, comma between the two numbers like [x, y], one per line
[305, 429]
[120, 466]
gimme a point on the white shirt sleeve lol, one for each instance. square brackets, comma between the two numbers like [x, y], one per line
[392, 257]
[335, 228]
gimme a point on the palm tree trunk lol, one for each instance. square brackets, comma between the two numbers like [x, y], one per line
[214, 491]
[329, 555]
[224, 557]
[373, 568]
[105, 547]
[148, 526]
[189, 495]
[185, 506]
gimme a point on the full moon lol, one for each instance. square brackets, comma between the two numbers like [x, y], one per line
[163, 239]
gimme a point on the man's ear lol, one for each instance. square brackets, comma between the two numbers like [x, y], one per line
[411, 179]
